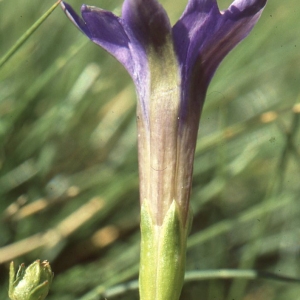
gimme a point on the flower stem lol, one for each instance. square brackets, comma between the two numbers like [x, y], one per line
[163, 252]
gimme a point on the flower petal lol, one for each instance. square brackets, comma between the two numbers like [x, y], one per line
[149, 21]
[202, 38]
[109, 31]
[204, 35]
[71, 14]
[245, 8]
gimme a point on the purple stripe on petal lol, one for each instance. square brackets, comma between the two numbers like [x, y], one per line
[244, 8]
[199, 5]
[148, 20]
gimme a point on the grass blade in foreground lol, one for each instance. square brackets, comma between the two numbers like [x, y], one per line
[27, 34]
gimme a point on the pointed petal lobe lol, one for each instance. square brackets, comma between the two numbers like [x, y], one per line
[109, 31]
[148, 20]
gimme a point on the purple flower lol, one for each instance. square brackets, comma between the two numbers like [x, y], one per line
[171, 68]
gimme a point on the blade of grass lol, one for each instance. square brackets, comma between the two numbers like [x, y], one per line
[27, 34]
[205, 275]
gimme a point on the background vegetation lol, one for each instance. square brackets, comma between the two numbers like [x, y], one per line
[68, 159]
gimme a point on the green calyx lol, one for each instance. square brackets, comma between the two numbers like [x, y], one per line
[163, 253]
[31, 283]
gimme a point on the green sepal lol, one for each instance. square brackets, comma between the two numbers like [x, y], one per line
[31, 283]
[163, 253]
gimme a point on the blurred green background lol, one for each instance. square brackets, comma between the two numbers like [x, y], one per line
[68, 159]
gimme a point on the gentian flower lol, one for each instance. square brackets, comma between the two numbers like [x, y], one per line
[171, 68]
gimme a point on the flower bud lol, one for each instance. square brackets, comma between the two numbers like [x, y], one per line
[31, 283]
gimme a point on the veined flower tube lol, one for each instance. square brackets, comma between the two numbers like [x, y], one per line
[171, 68]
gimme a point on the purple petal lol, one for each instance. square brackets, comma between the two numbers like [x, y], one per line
[71, 14]
[148, 20]
[109, 31]
[204, 35]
